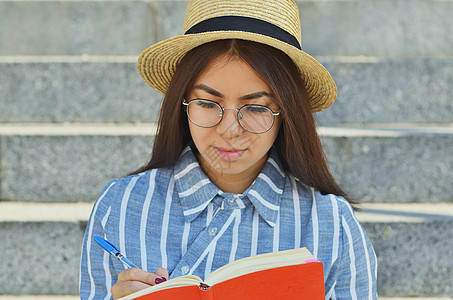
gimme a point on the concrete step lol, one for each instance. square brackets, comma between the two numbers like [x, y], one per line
[73, 162]
[377, 28]
[413, 243]
[410, 241]
[392, 162]
[41, 247]
[109, 89]
[76, 27]
[346, 27]
[75, 89]
[381, 90]
[68, 162]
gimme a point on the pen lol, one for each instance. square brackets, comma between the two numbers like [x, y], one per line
[112, 250]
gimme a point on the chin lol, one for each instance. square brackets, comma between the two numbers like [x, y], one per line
[227, 169]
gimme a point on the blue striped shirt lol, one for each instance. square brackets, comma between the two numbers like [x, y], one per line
[176, 218]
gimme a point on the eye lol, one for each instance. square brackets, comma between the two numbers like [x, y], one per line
[256, 109]
[206, 104]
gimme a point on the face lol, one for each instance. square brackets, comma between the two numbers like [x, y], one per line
[228, 149]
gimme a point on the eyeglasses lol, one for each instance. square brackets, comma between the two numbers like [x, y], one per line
[253, 118]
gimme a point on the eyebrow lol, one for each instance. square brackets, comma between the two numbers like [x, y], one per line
[255, 95]
[209, 90]
[215, 93]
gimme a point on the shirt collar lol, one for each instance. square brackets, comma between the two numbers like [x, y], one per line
[196, 191]
[266, 191]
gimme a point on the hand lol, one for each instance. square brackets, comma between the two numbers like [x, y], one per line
[134, 279]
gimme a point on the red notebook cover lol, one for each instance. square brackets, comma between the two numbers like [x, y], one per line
[304, 281]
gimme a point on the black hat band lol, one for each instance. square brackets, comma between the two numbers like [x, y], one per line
[247, 24]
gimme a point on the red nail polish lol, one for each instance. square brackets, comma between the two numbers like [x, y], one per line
[160, 280]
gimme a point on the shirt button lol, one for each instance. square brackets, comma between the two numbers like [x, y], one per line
[212, 231]
[185, 270]
[231, 201]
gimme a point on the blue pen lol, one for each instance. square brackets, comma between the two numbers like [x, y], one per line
[112, 250]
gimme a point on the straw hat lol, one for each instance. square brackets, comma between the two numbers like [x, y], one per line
[271, 22]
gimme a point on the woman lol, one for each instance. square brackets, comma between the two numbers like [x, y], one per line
[237, 168]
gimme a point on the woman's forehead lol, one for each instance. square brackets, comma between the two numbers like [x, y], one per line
[230, 76]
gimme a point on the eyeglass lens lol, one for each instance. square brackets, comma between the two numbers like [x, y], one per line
[207, 113]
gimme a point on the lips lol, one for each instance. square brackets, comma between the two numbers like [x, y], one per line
[228, 154]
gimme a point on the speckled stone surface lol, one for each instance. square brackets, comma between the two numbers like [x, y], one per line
[110, 90]
[40, 257]
[414, 259]
[405, 90]
[67, 168]
[377, 28]
[75, 27]
[402, 90]
[406, 168]
[373, 28]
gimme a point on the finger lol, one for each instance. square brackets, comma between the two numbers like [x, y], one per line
[135, 274]
[162, 273]
[124, 288]
[132, 274]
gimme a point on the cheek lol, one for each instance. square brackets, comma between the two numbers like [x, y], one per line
[199, 135]
[267, 139]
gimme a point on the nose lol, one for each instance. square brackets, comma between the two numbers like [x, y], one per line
[229, 125]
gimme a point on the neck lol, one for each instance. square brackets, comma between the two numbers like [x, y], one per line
[232, 183]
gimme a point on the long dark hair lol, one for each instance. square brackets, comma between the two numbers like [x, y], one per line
[297, 143]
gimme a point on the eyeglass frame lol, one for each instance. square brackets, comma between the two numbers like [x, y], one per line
[274, 114]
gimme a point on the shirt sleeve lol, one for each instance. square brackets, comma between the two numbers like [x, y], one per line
[95, 279]
[357, 270]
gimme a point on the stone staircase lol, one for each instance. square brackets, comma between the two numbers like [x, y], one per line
[74, 114]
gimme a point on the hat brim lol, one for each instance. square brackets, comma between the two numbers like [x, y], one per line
[157, 63]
